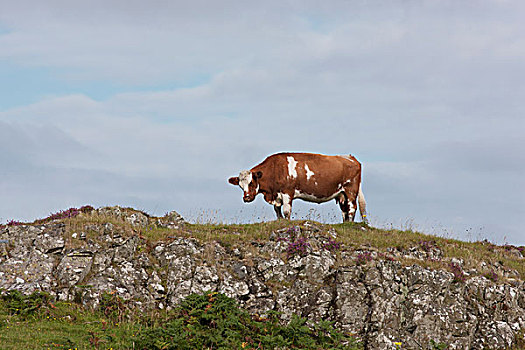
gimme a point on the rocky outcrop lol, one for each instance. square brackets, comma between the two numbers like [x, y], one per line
[299, 270]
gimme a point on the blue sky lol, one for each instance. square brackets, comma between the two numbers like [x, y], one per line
[22, 85]
[154, 105]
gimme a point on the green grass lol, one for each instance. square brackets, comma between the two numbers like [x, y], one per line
[201, 321]
[63, 326]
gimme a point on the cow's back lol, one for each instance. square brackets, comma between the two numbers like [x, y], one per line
[313, 174]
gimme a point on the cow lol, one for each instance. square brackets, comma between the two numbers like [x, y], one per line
[318, 178]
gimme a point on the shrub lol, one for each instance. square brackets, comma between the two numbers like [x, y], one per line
[427, 246]
[65, 214]
[363, 257]
[113, 307]
[214, 321]
[14, 223]
[17, 303]
[298, 247]
[492, 275]
[332, 245]
[437, 346]
[457, 271]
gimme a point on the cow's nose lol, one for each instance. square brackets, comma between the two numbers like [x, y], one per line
[247, 198]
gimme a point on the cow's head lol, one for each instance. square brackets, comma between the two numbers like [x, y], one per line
[248, 181]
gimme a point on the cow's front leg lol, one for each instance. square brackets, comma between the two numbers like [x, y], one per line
[276, 201]
[277, 209]
[287, 206]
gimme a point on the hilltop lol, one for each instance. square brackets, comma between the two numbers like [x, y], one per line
[387, 287]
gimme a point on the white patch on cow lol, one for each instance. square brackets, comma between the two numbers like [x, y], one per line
[245, 177]
[351, 208]
[309, 173]
[312, 198]
[292, 163]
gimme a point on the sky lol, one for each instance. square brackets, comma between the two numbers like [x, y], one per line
[155, 104]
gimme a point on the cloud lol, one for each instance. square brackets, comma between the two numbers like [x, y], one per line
[132, 42]
[428, 96]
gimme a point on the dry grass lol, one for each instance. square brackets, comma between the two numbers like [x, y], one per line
[472, 253]
[351, 235]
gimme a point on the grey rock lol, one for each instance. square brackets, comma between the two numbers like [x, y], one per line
[172, 220]
[381, 301]
[133, 217]
[73, 268]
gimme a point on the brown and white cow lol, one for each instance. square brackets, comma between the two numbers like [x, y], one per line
[283, 177]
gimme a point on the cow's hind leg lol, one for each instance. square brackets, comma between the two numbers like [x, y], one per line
[352, 206]
[348, 205]
[343, 204]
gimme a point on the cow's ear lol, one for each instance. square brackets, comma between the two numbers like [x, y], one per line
[234, 180]
[257, 175]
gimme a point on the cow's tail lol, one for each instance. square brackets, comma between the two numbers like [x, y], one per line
[362, 204]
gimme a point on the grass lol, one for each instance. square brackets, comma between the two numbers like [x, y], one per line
[352, 236]
[202, 321]
[63, 326]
